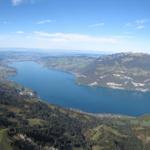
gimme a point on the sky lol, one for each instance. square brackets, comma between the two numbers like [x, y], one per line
[86, 25]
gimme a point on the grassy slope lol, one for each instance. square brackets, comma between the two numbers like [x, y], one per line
[82, 131]
[4, 140]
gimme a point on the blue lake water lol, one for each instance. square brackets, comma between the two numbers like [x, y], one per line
[60, 88]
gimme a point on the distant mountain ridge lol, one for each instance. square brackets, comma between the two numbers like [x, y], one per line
[128, 60]
[128, 71]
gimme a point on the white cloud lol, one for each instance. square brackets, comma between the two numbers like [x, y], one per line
[141, 21]
[140, 27]
[73, 41]
[20, 32]
[75, 37]
[138, 24]
[68, 41]
[44, 21]
[17, 2]
[97, 25]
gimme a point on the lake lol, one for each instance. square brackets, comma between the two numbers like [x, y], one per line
[60, 88]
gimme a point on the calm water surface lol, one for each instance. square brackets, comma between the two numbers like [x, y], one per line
[60, 88]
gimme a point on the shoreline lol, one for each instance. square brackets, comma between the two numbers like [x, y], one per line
[114, 115]
[77, 75]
